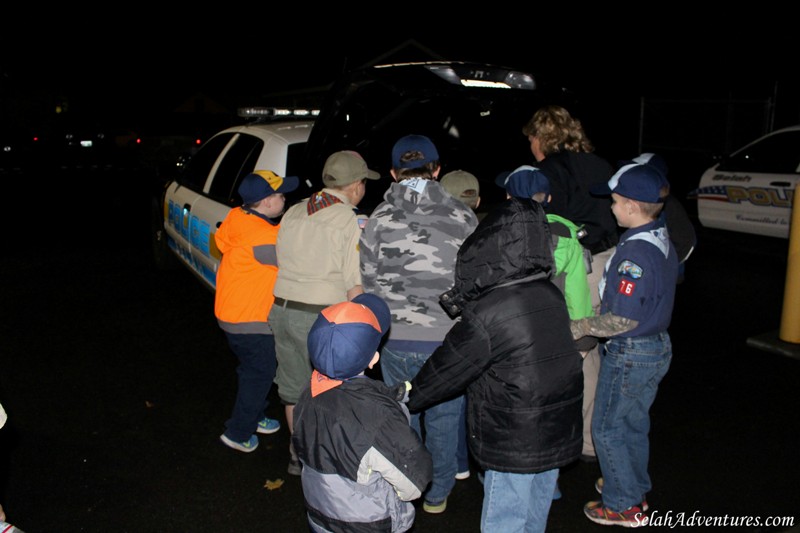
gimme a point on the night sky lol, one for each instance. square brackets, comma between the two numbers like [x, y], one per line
[150, 64]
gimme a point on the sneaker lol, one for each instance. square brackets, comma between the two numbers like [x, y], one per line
[295, 467]
[598, 486]
[633, 516]
[434, 508]
[462, 475]
[246, 446]
[267, 426]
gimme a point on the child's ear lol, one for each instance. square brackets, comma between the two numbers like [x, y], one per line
[375, 359]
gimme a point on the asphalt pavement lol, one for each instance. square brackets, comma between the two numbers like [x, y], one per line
[117, 382]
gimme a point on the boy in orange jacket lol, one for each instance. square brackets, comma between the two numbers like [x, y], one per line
[243, 299]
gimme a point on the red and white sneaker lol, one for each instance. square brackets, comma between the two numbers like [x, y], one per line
[598, 486]
[632, 517]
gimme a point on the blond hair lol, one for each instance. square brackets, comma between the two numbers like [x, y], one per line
[557, 130]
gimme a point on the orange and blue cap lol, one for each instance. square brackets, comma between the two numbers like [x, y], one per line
[346, 335]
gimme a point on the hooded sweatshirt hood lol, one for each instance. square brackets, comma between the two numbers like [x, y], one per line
[511, 244]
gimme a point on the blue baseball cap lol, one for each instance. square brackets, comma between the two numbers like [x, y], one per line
[651, 159]
[345, 336]
[635, 181]
[413, 143]
[524, 182]
[262, 183]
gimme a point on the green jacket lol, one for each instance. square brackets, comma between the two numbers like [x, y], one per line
[571, 276]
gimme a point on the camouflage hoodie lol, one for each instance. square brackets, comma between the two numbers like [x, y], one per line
[408, 257]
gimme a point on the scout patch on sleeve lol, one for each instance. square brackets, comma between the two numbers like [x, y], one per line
[630, 269]
[626, 287]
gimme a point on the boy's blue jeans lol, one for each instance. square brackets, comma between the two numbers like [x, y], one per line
[517, 502]
[630, 372]
[440, 420]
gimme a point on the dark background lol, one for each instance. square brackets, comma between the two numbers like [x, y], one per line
[689, 86]
[127, 74]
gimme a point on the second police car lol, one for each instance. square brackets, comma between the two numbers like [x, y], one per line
[751, 190]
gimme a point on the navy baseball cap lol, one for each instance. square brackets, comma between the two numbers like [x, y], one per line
[656, 160]
[524, 182]
[262, 183]
[414, 143]
[653, 160]
[635, 181]
[345, 336]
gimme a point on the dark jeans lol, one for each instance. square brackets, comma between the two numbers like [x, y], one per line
[256, 370]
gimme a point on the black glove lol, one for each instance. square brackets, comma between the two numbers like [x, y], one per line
[401, 391]
[584, 344]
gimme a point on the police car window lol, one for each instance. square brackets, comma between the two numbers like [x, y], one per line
[296, 160]
[776, 154]
[239, 161]
[298, 164]
[199, 166]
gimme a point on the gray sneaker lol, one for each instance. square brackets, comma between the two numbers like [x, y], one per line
[295, 467]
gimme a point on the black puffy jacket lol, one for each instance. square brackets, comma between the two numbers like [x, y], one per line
[512, 348]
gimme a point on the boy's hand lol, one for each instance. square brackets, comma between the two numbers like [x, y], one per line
[401, 391]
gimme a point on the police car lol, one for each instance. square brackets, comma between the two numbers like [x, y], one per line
[751, 190]
[194, 205]
[474, 113]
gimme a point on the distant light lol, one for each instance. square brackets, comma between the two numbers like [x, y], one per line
[86, 144]
[520, 80]
[198, 142]
[485, 84]
[486, 78]
[138, 141]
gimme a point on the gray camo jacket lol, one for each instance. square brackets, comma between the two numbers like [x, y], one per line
[408, 256]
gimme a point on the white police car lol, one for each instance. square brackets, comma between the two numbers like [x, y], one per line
[751, 190]
[196, 203]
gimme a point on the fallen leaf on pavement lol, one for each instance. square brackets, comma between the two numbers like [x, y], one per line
[272, 485]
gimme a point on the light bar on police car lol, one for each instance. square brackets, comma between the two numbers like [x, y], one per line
[276, 112]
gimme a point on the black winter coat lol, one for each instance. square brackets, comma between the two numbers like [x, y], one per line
[512, 348]
[571, 176]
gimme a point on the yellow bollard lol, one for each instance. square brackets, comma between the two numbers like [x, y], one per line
[790, 316]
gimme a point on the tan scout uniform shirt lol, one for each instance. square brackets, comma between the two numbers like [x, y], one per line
[318, 257]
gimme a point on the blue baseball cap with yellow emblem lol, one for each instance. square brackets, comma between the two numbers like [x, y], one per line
[262, 183]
